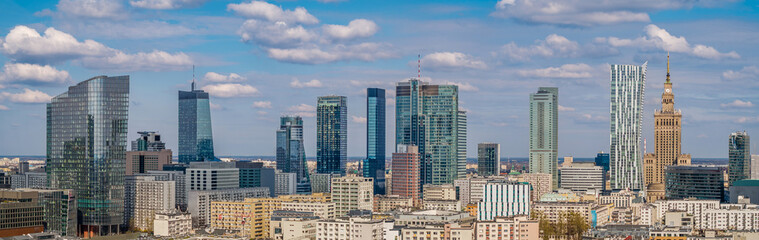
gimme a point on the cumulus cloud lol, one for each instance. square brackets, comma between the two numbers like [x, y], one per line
[153, 61]
[463, 86]
[566, 109]
[359, 28]
[266, 11]
[231, 90]
[590, 118]
[262, 104]
[310, 84]
[28, 96]
[737, 104]
[314, 55]
[32, 74]
[92, 8]
[659, 38]
[303, 110]
[565, 71]
[585, 13]
[554, 46]
[274, 34]
[747, 120]
[166, 4]
[216, 77]
[4, 108]
[358, 119]
[748, 72]
[450, 61]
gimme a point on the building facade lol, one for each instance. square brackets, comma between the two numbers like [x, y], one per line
[352, 193]
[20, 213]
[172, 224]
[199, 202]
[405, 173]
[739, 166]
[517, 228]
[544, 133]
[628, 84]
[320, 182]
[504, 199]
[285, 183]
[29, 180]
[291, 153]
[203, 176]
[700, 182]
[152, 196]
[488, 159]
[86, 149]
[148, 153]
[349, 229]
[582, 176]
[195, 133]
[374, 164]
[331, 134]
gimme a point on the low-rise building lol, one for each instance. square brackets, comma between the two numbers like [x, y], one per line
[349, 229]
[284, 227]
[596, 215]
[20, 213]
[443, 205]
[199, 202]
[36, 180]
[516, 228]
[172, 223]
[432, 217]
[386, 203]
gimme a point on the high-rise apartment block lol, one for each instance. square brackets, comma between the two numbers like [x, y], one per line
[544, 133]
[374, 164]
[582, 176]
[739, 166]
[86, 150]
[352, 193]
[504, 199]
[628, 83]
[285, 183]
[291, 153]
[405, 170]
[488, 159]
[195, 133]
[331, 134]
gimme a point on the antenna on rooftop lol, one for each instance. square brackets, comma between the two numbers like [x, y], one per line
[193, 77]
[419, 69]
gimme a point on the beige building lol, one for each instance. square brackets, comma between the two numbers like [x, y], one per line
[144, 161]
[667, 140]
[172, 223]
[349, 229]
[352, 193]
[517, 228]
[540, 182]
[450, 231]
[150, 197]
[596, 215]
[442, 205]
[445, 192]
[295, 228]
[386, 203]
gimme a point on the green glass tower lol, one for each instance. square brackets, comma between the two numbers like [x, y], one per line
[428, 116]
[86, 150]
[331, 134]
[544, 133]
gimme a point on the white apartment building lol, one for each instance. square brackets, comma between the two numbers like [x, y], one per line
[293, 228]
[352, 193]
[442, 205]
[582, 176]
[731, 217]
[285, 183]
[323, 210]
[150, 197]
[504, 199]
[172, 223]
[693, 207]
[349, 229]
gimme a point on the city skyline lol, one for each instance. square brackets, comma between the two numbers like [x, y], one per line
[715, 87]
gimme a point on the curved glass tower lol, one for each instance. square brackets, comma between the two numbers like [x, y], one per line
[195, 135]
[291, 153]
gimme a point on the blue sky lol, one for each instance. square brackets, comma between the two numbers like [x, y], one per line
[260, 60]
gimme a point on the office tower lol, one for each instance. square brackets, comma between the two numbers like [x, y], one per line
[667, 140]
[195, 134]
[739, 167]
[374, 164]
[148, 154]
[212, 176]
[405, 173]
[544, 133]
[23, 167]
[320, 182]
[20, 213]
[461, 143]
[582, 176]
[254, 174]
[700, 182]
[352, 193]
[602, 160]
[331, 134]
[428, 116]
[86, 146]
[488, 159]
[291, 153]
[285, 183]
[504, 199]
[628, 84]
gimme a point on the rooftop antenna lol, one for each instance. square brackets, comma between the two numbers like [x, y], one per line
[419, 69]
[193, 77]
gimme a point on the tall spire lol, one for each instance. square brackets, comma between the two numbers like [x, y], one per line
[419, 65]
[668, 67]
[193, 77]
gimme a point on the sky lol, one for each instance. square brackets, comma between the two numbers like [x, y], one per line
[260, 60]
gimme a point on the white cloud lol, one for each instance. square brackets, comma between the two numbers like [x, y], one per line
[586, 13]
[153, 61]
[747, 120]
[166, 4]
[737, 104]
[359, 28]
[4, 108]
[358, 119]
[748, 72]
[261, 113]
[314, 55]
[32, 73]
[214, 106]
[450, 61]
[554, 46]
[659, 38]
[566, 109]
[275, 34]
[303, 110]
[565, 71]
[463, 86]
[262, 104]
[216, 77]
[28, 96]
[230, 90]
[310, 84]
[270, 12]
[590, 118]
[92, 8]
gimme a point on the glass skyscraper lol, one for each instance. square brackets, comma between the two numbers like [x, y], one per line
[739, 166]
[291, 153]
[544, 133]
[628, 84]
[428, 116]
[374, 164]
[331, 134]
[195, 135]
[86, 150]
[488, 159]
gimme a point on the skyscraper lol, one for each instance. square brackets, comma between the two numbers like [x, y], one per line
[739, 166]
[405, 169]
[488, 159]
[667, 125]
[544, 133]
[291, 153]
[331, 134]
[374, 164]
[428, 116]
[148, 141]
[86, 146]
[628, 84]
[195, 135]
[461, 143]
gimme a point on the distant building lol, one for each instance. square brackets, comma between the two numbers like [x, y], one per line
[602, 160]
[374, 164]
[296, 227]
[285, 183]
[488, 159]
[517, 228]
[352, 193]
[212, 176]
[405, 173]
[29, 180]
[544, 133]
[754, 166]
[152, 196]
[199, 202]
[748, 188]
[739, 166]
[195, 134]
[700, 182]
[180, 183]
[172, 223]
[540, 182]
[148, 141]
[596, 215]
[291, 153]
[504, 199]
[152, 159]
[320, 182]
[628, 83]
[331, 134]
[348, 229]
[441, 197]
[471, 190]
[254, 174]
[582, 176]
[386, 203]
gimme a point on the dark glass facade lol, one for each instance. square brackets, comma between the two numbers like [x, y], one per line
[331, 134]
[602, 160]
[86, 150]
[374, 164]
[488, 159]
[739, 165]
[694, 182]
[291, 153]
[254, 174]
[195, 134]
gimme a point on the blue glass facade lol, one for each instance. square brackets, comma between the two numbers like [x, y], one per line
[86, 150]
[739, 165]
[602, 160]
[195, 135]
[331, 134]
[291, 153]
[374, 164]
